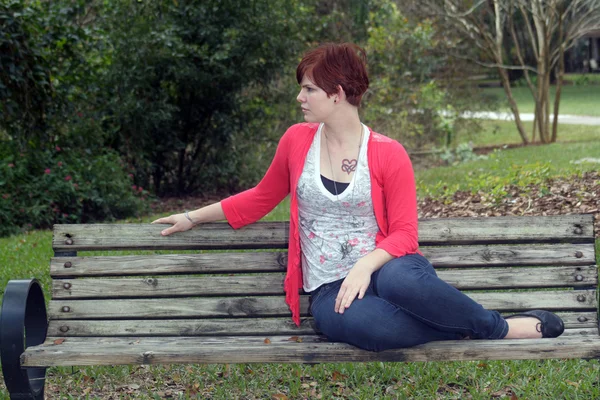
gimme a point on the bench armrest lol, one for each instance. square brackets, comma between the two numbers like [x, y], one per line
[23, 323]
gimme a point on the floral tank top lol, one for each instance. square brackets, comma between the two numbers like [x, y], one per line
[335, 231]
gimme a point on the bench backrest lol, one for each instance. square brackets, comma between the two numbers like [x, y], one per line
[509, 264]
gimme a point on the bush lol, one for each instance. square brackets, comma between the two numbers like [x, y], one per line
[40, 188]
[462, 153]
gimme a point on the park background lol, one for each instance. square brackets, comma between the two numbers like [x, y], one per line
[129, 110]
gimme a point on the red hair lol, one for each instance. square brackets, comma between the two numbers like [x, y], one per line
[331, 65]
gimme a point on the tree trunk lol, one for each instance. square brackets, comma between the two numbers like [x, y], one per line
[513, 104]
[535, 124]
[559, 81]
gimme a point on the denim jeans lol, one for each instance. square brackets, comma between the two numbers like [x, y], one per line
[406, 304]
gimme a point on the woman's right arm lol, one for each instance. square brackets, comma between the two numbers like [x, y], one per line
[211, 213]
[245, 207]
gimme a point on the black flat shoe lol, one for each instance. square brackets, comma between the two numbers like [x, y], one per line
[550, 324]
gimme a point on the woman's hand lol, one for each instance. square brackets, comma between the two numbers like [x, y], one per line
[179, 221]
[356, 283]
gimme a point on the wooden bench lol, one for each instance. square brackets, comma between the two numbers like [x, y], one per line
[228, 306]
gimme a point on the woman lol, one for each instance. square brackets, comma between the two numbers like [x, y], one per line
[353, 224]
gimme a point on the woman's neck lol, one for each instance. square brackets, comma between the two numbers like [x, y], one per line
[344, 129]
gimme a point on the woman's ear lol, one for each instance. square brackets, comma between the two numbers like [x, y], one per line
[341, 95]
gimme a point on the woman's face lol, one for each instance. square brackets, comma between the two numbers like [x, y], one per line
[316, 105]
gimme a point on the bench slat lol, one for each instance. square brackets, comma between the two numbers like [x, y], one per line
[441, 257]
[560, 228]
[198, 350]
[509, 229]
[169, 264]
[476, 279]
[238, 326]
[559, 300]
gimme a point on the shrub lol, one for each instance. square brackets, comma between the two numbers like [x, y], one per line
[462, 153]
[43, 187]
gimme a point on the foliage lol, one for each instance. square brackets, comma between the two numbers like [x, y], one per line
[44, 62]
[63, 185]
[529, 36]
[47, 84]
[25, 84]
[193, 96]
[409, 97]
[462, 153]
[177, 75]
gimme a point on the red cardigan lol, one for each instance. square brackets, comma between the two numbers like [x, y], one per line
[393, 193]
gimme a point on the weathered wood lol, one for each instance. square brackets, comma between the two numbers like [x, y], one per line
[179, 327]
[579, 319]
[264, 284]
[559, 300]
[168, 287]
[508, 229]
[104, 317]
[310, 349]
[230, 326]
[216, 235]
[440, 257]
[563, 228]
[583, 332]
[170, 264]
[510, 255]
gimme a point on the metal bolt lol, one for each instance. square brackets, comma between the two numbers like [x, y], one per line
[578, 254]
[579, 278]
[67, 285]
[582, 319]
[66, 309]
[69, 241]
[578, 231]
[64, 328]
[581, 298]
[68, 264]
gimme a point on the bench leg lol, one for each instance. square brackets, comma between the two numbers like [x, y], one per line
[23, 323]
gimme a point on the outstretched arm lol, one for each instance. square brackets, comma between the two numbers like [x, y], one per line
[181, 223]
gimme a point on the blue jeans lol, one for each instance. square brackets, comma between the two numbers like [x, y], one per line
[406, 304]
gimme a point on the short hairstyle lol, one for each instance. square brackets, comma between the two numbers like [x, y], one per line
[331, 64]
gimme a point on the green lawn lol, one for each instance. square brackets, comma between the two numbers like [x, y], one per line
[575, 100]
[495, 133]
[27, 255]
[515, 166]
[593, 79]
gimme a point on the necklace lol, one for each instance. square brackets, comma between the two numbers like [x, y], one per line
[355, 167]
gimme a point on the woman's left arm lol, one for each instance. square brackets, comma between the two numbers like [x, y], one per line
[400, 194]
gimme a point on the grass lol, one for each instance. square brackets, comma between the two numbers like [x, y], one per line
[573, 379]
[497, 133]
[27, 255]
[591, 78]
[508, 166]
[575, 100]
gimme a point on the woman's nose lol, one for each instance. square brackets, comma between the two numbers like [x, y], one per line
[300, 97]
